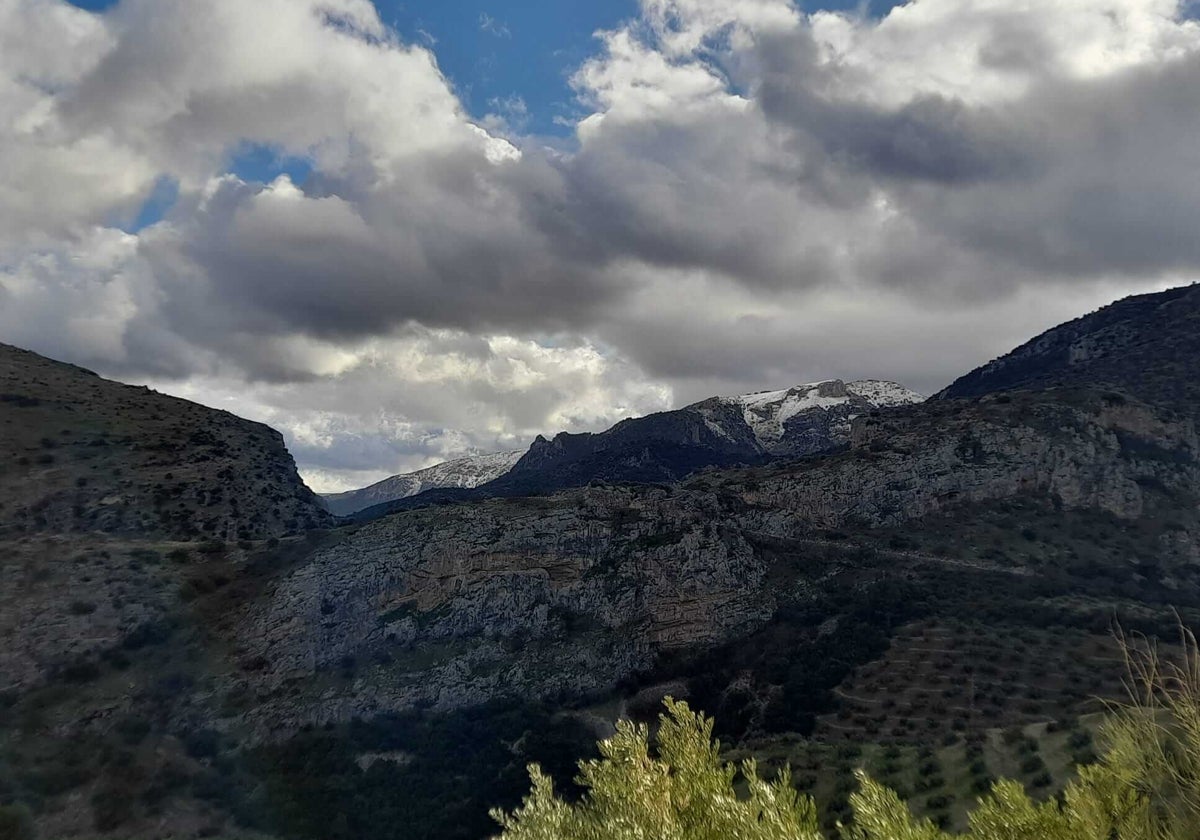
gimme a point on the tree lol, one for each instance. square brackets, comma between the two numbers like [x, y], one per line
[686, 793]
[1146, 786]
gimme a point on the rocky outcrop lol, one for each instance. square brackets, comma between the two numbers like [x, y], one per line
[1082, 448]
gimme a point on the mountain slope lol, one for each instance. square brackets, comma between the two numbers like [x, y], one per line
[570, 593]
[82, 453]
[670, 445]
[460, 473]
[1146, 346]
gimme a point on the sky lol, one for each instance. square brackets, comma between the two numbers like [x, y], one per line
[405, 231]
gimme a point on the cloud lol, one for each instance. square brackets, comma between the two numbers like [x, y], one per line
[403, 403]
[753, 196]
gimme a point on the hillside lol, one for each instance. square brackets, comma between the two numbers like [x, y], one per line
[467, 472]
[1145, 346]
[81, 453]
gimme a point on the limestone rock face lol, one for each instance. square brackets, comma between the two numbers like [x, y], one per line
[445, 607]
[1082, 448]
[449, 606]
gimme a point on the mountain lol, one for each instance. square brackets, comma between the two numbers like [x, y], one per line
[460, 473]
[648, 569]
[812, 418]
[1146, 346]
[81, 453]
[669, 445]
[929, 593]
[950, 576]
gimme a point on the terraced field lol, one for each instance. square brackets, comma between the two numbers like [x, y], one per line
[940, 779]
[945, 678]
[951, 707]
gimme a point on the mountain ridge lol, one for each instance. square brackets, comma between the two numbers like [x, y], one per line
[669, 445]
[467, 472]
[83, 453]
[417, 663]
[1144, 345]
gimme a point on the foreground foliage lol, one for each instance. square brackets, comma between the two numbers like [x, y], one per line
[1145, 787]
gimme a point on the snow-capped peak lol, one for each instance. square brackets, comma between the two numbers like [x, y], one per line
[468, 472]
[767, 412]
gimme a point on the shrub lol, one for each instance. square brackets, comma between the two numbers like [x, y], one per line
[982, 784]
[1033, 764]
[1080, 739]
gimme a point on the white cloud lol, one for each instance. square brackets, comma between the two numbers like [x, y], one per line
[982, 51]
[755, 196]
[400, 404]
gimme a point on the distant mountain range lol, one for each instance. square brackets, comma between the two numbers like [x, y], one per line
[661, 447]
[460, 473]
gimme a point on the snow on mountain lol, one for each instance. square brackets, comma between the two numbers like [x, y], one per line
[883, 394]
[468, 472]
[780, 420]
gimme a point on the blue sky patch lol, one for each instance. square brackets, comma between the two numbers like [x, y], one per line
[255, 162]
[162, 197]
